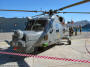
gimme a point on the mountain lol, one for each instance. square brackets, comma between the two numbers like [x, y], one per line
[82, 23]
[10, 24]
[85, 25]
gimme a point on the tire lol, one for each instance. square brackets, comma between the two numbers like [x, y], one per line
[69, 42]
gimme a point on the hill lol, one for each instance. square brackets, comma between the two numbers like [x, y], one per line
[10, 24]
[82, 23]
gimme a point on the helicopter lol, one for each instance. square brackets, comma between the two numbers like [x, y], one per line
[41, 31]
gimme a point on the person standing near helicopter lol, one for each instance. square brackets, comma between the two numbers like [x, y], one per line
[80, 29]
[70, 31]
[76, 29]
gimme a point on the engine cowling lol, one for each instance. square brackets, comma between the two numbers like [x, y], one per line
[19, 34]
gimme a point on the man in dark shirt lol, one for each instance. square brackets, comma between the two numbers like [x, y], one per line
[80, 29]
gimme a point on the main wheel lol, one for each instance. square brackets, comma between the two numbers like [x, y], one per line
[69, 42]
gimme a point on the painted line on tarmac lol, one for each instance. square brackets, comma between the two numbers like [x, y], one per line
[46, 57]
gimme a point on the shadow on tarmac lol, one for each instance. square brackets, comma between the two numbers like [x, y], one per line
[4, 58]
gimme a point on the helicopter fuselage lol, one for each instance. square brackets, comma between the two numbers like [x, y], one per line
[38, 34]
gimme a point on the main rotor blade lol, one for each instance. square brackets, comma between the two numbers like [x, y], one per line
[20, 10]
[78, 3]
[38, 15]
[76, 12]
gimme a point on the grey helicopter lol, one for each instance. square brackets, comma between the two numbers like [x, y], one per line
[42, 31]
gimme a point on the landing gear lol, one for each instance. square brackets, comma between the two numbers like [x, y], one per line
[69, 42]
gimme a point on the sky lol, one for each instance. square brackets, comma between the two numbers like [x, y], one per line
[45, 5]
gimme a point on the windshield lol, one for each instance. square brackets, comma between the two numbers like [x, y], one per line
[36, 25]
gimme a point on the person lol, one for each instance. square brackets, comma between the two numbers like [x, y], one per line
[80, 29]
[76, 29]
[72, 31]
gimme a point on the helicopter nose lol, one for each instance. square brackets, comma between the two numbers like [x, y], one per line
[19, 43]
[18, 34]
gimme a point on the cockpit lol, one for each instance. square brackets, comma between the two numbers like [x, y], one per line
[36, 24]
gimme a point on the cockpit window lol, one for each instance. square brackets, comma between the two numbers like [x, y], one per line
[36, 25]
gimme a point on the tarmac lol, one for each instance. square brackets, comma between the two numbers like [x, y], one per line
[79, 49]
